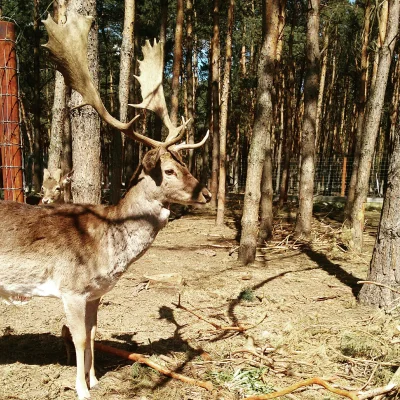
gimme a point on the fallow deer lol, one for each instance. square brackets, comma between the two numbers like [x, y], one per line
[78, 252]
[53, 186]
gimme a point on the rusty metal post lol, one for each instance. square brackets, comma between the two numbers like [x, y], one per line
[10, 138]
[344, 175]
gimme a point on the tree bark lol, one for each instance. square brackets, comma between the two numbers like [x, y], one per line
[322, 86]
[262, 126]
[85, 125]
[189, 79]
[371, 127]
[224, 118]
[267, 191]
[307, 150]
[59, 110]
[158, 125]
[126, 56]
[290, 107]
[37, 139]
[215, 52]
[176, 67]
[361, 101]
[385, 263]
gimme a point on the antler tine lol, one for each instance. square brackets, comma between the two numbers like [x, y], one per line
[189, 146]
[150, 79]
[68, 48]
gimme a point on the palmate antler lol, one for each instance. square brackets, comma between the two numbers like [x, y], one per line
[68, 49]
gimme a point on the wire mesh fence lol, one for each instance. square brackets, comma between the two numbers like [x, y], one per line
[332, 177]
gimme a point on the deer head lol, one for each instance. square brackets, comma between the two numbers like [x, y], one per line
[53, 186]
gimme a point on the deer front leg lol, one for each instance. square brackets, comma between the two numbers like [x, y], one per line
[75, 310]
[91, 327]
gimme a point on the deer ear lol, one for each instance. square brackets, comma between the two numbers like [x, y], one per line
[46, 174]
[57, 175]
[151, 159]
[67, 178]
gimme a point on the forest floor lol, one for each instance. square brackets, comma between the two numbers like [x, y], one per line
[297, 300]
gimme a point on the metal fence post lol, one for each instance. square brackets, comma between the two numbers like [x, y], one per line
[10, 138]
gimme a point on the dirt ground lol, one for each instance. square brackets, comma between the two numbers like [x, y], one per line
[298, 301]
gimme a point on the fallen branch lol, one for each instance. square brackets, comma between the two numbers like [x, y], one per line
[307, 382]
[142, 360]
[370, 394]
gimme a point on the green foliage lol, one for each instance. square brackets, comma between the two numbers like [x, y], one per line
[247, 294]
[246, 381]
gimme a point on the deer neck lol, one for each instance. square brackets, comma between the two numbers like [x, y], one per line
[143, 201]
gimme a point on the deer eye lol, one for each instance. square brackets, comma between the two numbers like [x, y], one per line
[58, 188]
[42, 190]
[169, 172]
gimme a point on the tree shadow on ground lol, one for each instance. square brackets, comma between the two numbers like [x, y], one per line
[333, 269]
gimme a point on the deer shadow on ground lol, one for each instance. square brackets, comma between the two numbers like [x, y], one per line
[45, 349]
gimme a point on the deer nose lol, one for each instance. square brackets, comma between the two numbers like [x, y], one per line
[45, 201]
[206, 194]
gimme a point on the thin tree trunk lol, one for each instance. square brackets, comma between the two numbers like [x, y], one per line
[85, 125]
[176, 67]
[126, 56]
[311, 84]
[224, 117]
[371, 126]
[163, 39]
[59, 108]
[383, 20]
[267, 190]
[322, 86]
[189, 79]
[215, 52]
[362, 98]
[262, 126]
[37, 139]
[290, 107]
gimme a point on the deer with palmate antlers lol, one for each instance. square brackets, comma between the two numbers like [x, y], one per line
[78, 252]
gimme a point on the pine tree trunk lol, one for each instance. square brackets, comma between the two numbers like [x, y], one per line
[262, 126]
[322, 86]
[290, 107]
[371, 126]
[267, 190]
[176, 67]
[311, 85]
[37, 139]
[158, 125]
[224, 118]
[385, 263]
[85, 125]
[126, 56]
[189, 79]
[215, 52]
[362, 97]
[59, 108]
[383, 20]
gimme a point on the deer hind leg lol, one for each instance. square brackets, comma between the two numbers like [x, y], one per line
[91, 327]
[75, 311]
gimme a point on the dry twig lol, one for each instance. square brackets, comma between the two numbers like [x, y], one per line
[239, 328]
